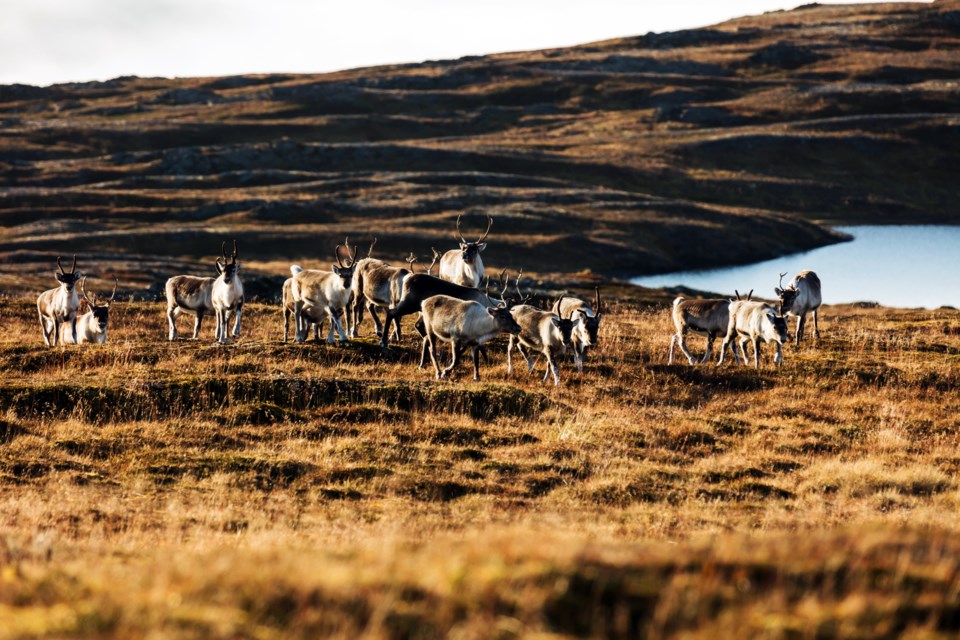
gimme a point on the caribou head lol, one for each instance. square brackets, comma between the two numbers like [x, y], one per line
[471, 250]
[68, 280]
[345, 269]
[100, 309]
[786, 296]
[592, 323]
[565, 326]
[229, 267]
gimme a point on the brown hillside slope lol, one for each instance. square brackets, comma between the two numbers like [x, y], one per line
[657, 152]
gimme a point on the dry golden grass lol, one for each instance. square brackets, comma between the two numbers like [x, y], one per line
[265, 489]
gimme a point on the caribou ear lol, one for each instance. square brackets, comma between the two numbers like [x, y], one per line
[336, 270]
[556, 321]
[481, 246]
[778, 291]
[492, 311]
[463, 246]
[237, 266]
[219, 268]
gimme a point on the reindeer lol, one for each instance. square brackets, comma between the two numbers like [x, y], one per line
[376, 284]
[711, 316]
[227, 294]
[541, 330]
[586, 334]
[193, 294]
[60, 305]
[799, 297]
[757, 322]
[463, 323]
[463, 266]
[417, 287]
[330, 291]
[91, 326]
[316, 316]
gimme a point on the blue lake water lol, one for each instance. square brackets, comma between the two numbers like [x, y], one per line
[897, 266]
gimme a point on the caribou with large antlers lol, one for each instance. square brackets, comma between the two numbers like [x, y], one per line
[91, 326]
[329, 291]
[195, 295]
[463, 266]
[60, 305]
[799, 297]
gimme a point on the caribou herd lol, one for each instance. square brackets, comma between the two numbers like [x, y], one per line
[452, 308]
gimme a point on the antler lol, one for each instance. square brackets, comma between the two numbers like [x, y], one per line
[61, 266]
[781, 279]
[560, 307]
[116, 283]
[436, 256]
[234, 257]
[459, 233]
[83, 293]
[516, 285]
[372, 244]
[750, 295]
[411, 259]
[504, 283]
[73, 269]
[597, 292]
[337, 253]
[223, 252]
[485, 233]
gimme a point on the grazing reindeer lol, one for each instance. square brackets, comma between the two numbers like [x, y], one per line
[711, 316]
[757, 322]
[91, 326]
[60, 305]
[376, 284]
[586, 334]
[330, 291]
[463, 266]
[463, 323]
[543, 331]
[799, 297]
[193, 294]
[316, 316]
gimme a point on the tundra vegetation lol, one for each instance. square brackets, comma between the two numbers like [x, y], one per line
[179, 489]
[191, 489]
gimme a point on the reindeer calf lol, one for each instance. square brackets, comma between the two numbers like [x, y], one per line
[543, 331]
[757, 322]
[463, 324]
[60, 305]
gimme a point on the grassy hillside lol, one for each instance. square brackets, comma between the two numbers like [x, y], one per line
[276, 490]
[628, 156]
